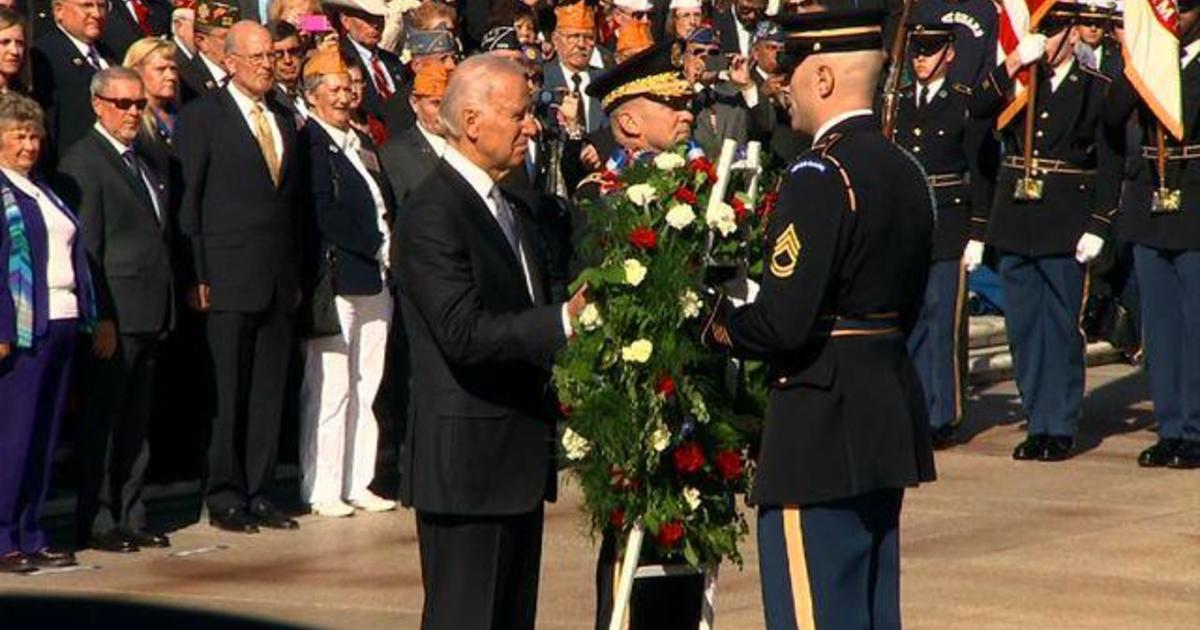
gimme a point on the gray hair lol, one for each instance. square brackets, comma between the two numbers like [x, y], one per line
[102, 79]
[18, 110]
[471, 86]
[310, 83]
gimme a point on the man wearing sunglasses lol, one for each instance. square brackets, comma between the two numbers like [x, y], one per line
[934, 124]
[288, 53]
[127, 230]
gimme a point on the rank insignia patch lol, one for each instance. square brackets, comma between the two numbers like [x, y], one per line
[786, 253]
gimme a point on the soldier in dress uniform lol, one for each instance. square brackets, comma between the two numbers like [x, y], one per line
[1049, 220]
[933, 122]
[1099, 48]
[1161, 217]
[647, 101]
[975, 26]
[847, 259]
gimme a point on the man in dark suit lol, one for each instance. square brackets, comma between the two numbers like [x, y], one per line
[183, 30]
[411, 155]
[240, 213]
[131, 20]
[64, 60]
[289, 54]
[427, 48]
[571, 71]
[480, 456]
[360, 24]
[126, 229]
[737, 23]
[205, 71]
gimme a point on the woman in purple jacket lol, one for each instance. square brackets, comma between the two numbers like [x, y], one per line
[45, 301]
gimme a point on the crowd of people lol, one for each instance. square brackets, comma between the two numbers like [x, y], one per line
[235, 181]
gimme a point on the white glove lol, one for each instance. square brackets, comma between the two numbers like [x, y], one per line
[972, 255]
[1088, 248]
[1031, 48]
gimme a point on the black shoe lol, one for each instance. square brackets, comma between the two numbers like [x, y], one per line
[233, 519]
[113, 542]
[1159, 454]
[47, 558]
[1057, 448]
[1186, 457]
[16, 562]
[1031, 448]
[269, 516]
[942, 437]
[143, 538]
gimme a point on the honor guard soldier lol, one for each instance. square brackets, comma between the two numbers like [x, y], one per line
[1056, 191]
[974, 24]
[1160, 215]
[648, 103]
[847, 258]
[1099, 48]
[934, 124]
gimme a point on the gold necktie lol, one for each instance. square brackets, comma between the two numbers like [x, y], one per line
[266, 141]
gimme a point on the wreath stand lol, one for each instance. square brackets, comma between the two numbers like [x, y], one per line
[630, 571]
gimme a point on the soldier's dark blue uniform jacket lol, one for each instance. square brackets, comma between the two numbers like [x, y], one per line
[950, 144]
[846, 264]
[1072, 155]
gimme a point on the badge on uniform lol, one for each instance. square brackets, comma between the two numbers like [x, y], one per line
[786, 253]
[369, 160]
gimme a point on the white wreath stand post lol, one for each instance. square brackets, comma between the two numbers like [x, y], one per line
[630, 570]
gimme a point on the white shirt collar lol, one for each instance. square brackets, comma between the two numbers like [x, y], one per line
[121, 147]
[1060, 73]
[218, 73]
[1189, 53]
[435, 141]
[832, 122]
[363, 52]
[476, 177]
[187, 53]
[345, 140]
[243, 100]
[82, 46]
[22, 182]
[932, 88]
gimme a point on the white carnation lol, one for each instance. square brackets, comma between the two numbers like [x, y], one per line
[575, 445]
[720, 217]
[668, 161]
[635, 271]
[690, 303]
[680, 216]
[692, 496]
[638, 351]
[660, 438]
[589, 317]
[641, 194]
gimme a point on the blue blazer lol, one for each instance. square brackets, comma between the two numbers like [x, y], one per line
[35, 232]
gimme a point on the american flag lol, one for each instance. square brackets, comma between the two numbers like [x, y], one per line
[1016, 19]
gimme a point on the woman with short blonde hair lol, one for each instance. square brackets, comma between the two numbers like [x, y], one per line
[155, 61]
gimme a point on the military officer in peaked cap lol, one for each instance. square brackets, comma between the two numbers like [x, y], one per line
[975, 25]
[933, 122]
[847, 259]
[1052, 213]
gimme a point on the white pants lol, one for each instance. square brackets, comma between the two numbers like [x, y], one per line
[338, 431]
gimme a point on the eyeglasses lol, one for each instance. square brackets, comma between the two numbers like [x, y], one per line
[124, 104]
[293, 52]
[258, 59]
[705, 51]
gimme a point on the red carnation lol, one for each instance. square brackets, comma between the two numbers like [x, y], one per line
[617, 518]
[620, 481]
[564, 409]
[643, 238]
[729, 464]
[739, 209]
[703, 165]
[683, 194]
[689, 458]
[669, 534]
[665, 385]
[768, 203]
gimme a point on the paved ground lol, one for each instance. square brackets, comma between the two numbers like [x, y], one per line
[994, 544]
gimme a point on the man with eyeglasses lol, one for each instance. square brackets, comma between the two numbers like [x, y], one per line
[288, 54]
[240, 211]
[205, 71]
[131, 20]
[360, 24]
[123, 210]
[737, 25]
[572, 70]
[64, 61]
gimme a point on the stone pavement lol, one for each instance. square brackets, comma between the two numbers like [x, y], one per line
[1092, 543]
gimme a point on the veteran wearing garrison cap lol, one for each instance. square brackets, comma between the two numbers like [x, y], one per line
[426, 47]
[847, 258]
[205, 71]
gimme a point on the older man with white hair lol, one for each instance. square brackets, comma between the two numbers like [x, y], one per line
[479, 460]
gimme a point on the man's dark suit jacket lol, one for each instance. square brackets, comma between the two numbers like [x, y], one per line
[194, 78]
[481, 432]
[128, 244]
[61, 78]
[407, 159]
[398, 113]
[373, 102]
[241, 228]
[121, 30]
[344, 210]
[726, 23]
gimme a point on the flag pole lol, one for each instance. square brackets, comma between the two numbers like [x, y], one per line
[1028, 187]
[1166, 200]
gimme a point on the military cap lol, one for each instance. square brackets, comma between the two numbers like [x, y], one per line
[822, 32]
[926, 39]
[634, 6]
[686, 4]
[705, 34]
[768, 31]
[633, 38]
[576, 16]
[431, 80]
[183, 8]
[655, 73]
[500, 38]
[431, 42]
[1065, 14]
[213, 14]
[370, 7]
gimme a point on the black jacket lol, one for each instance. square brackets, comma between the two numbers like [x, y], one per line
[407, 159]
[195, 80]
[61, 79]
[850, 237]
[481, 431]
[121, 29]
[373, 102]
[241, 228]
[128, 244]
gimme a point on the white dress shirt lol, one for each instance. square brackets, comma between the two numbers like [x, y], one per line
[435, 141]
[744, 35]
[584, 81]
[218, 73]
[829, 124]
[367, 57]
[60, 237]
[85, 48]
[187, 52]
[482, 184]
[1189, 53]
[121, 148]
[931, 88]
[351, 147]
[1060, 74]
[245, 104]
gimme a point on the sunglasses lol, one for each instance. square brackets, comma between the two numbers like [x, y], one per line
[124, 103]
[637, 15]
